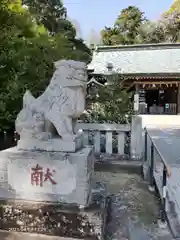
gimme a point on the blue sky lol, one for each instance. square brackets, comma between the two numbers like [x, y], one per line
[95, 14]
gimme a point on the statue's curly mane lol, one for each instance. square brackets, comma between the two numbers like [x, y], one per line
[68, 71]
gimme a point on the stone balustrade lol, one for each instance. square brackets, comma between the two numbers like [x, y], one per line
[105, 137]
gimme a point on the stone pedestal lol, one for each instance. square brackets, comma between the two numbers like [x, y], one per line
[52, 145]
[47, 176]
[51, 193]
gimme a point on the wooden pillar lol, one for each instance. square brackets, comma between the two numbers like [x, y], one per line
[137, 88]
[178, 100]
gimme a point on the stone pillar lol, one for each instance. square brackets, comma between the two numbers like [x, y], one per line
[137, 144]
[136, 99]
[178, 100]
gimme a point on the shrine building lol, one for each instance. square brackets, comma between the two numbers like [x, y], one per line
[152, 71]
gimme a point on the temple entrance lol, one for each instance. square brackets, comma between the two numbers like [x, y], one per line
[152, 98]
[158, 100]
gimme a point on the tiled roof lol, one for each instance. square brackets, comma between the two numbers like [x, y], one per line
[137, 59]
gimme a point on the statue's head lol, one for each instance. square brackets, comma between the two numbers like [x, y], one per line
[70, 73]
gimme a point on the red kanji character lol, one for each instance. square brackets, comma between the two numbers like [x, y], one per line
[48, 176]
[37, 176]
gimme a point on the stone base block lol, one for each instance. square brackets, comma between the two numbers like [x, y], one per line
[51, 145]
[57, 219]
[47, 176]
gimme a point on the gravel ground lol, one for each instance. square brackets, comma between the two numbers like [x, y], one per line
[134, 210]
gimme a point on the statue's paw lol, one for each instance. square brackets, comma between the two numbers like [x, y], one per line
[44, 136]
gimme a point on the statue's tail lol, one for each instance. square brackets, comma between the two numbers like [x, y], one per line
[28, 100]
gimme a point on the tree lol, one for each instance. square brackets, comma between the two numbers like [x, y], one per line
[166, 29]
[111, 36]
[125, 29]
[15, 19]
[175, 7]
[170, 22]
[131, 27]
[27, 55]
[150, 32]
[113, 103]
[52, 14]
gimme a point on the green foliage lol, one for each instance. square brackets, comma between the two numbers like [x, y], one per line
[125, 29]
[27, 53]
[171, 26]
[112, 104]
[150, 32]
[131, 27]
[175, 7]
[52, 15]
[111, 36]
[128, 22]
[170, 21]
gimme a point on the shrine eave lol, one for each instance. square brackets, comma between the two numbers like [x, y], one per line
[152, 76]
[141, 76]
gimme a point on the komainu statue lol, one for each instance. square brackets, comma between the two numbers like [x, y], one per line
[48, 122]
